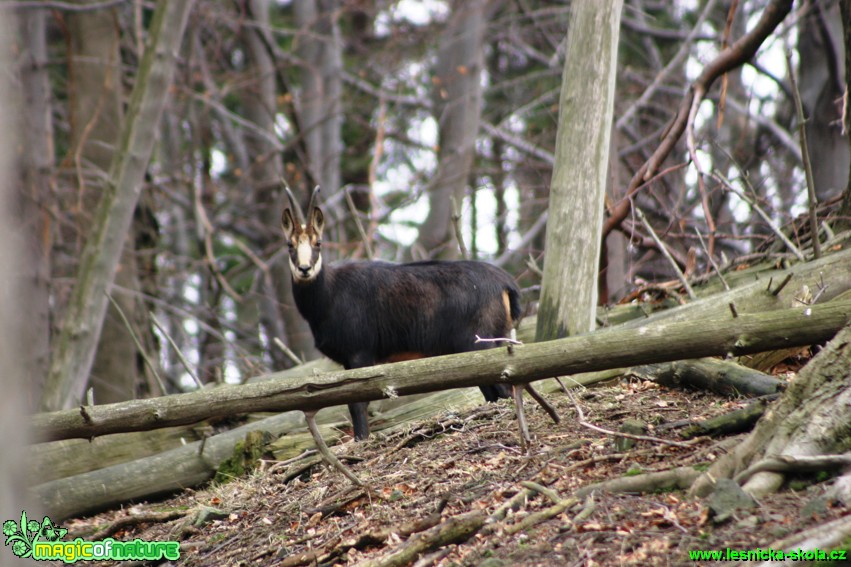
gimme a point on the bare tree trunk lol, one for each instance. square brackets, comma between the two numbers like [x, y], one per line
[75, 347]
[17, 292]
[845, 209]
[96, 108]
[320, 111]
[277, 313]
[36, 169]
[457, 96]
[821, 75]
[574, 229]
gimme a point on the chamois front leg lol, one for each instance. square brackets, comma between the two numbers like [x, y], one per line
[496, 392]
[358, 410]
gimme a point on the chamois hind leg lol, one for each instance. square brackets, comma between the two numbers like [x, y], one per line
[358, 410]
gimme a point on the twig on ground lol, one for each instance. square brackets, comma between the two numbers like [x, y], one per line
[326, 453]
[611, 433]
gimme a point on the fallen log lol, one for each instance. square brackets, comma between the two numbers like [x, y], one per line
[159, 474]
[732, 422]
[69, 457]
[828, 278]
[609, 348]
[719, 376]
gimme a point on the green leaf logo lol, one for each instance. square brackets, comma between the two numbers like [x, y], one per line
[23, 536]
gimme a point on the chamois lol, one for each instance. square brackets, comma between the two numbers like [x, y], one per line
[368, 312]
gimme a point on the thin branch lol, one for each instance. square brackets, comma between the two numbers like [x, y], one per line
[177, 351]
[498, 340]
[789, 244]
[664, 250]
[712, 260]
[519, 143]
[542, 401]
[701, 183]
[779, 133]
[530, 235]
[137, 342]
[674, 64]
[207, 228]
[782, 284]
[287, 351]
[805, 155]
[741, 51]
[456, 224]
[354, 212]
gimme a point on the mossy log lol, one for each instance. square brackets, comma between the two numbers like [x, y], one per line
[732, 422]
[720, 376]
[159, 474]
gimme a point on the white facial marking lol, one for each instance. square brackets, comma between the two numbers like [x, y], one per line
[303, 257]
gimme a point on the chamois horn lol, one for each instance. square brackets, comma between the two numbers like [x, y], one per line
[312, 202]
[299, 214]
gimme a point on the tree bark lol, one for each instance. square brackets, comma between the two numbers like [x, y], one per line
[75, 348]
[821, 75]
[96, 110]
[569, 290]
[15, 296]
[611, 348]
[37, 156]
[277, 314]
[845, 209]
[320, 108]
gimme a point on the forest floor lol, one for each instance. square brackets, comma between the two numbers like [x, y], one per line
[467, 467]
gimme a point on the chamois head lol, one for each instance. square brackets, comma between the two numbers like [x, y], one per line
[304, 237]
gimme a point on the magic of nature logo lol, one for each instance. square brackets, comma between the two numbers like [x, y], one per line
[43, 541]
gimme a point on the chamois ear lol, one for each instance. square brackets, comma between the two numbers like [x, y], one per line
[287, 222]
[317, 219]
